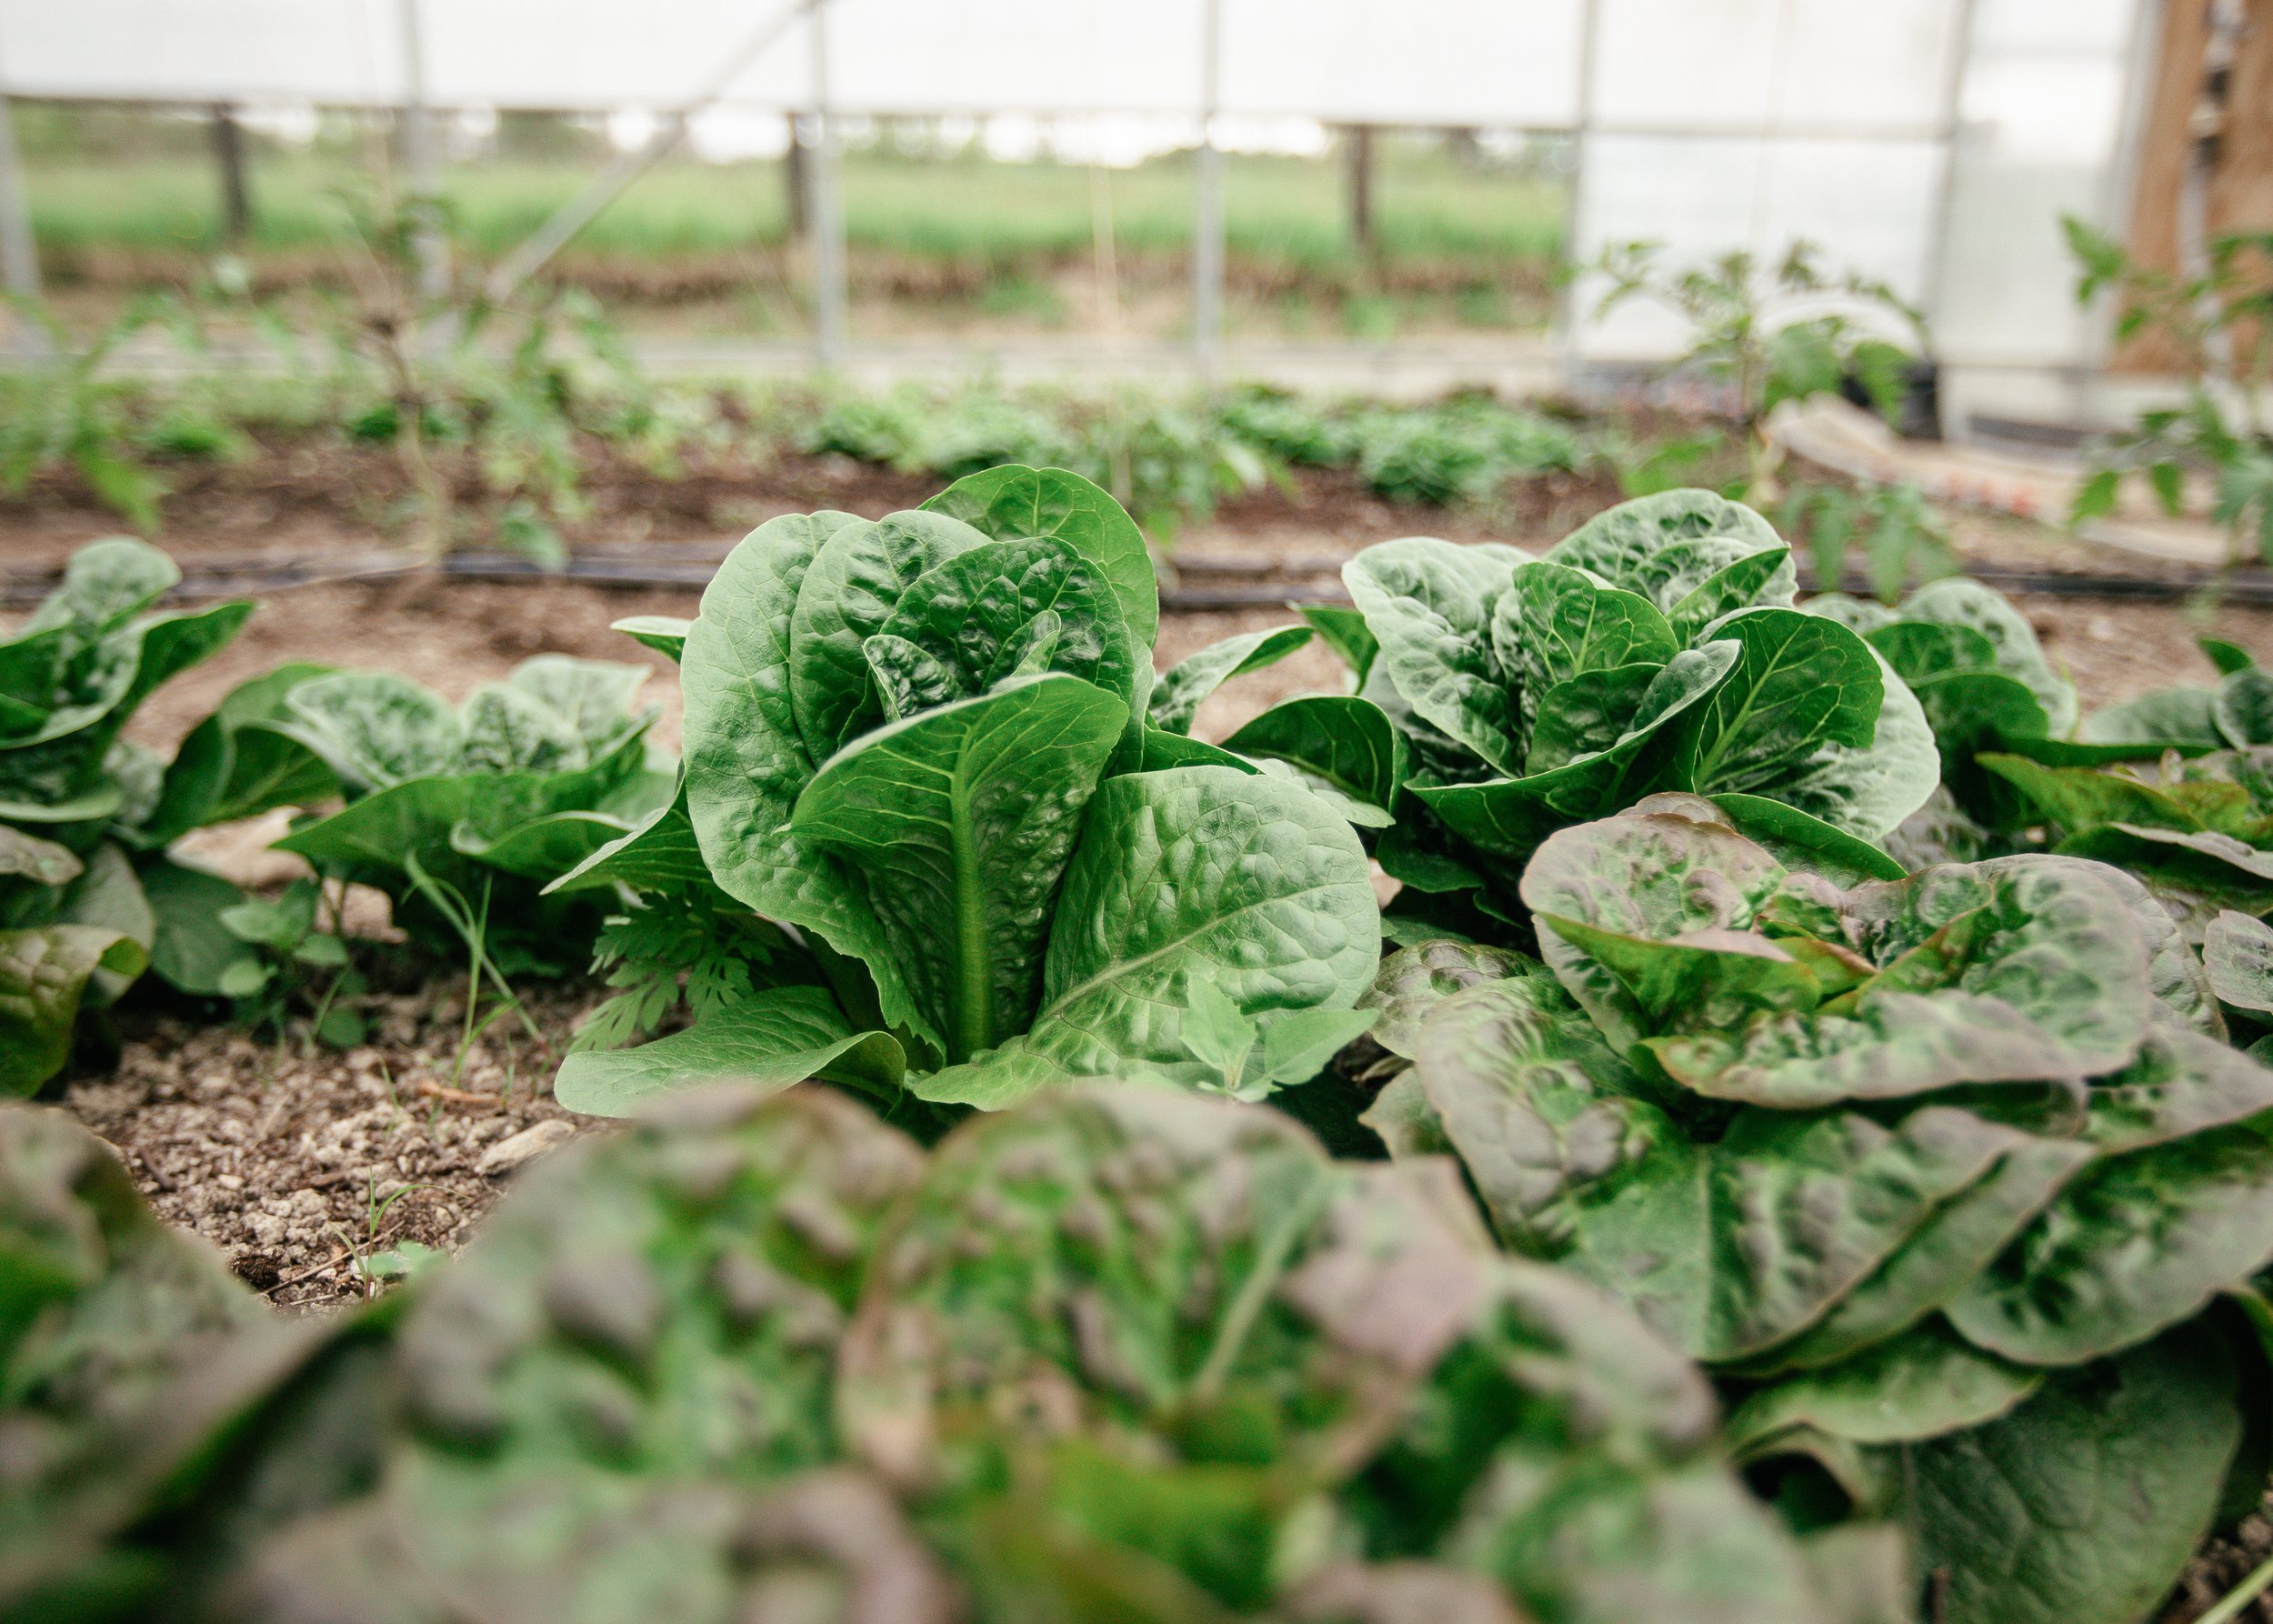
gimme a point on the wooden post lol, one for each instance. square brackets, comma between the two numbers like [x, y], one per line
[1358, 152]
[2166, 153]
[19, 255]
[228, 151]
[2241, 180]
[795, 181]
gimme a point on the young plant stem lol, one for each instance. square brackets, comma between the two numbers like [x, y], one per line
[2236, 1600]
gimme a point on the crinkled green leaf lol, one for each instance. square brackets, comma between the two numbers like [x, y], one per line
[241, 761]
[1412, 981]
[747, 762]
[67, 754]
[508, 729]
[1345, 741]
[1253, 883]
[1586, 715]
[1868, 791]
[1014, 501]
[960, 822]
[1800, 681]
[1804, 844]
[374, 729]
[1509, 817]
[856, 576]
[1642, 546]
[2082, 1506]
[44, 977]
[771, 1039]
[2243, 708]
[2013, 651]
[1552, 623]
[1761, 578]
[1176, 699]
[1430, 603]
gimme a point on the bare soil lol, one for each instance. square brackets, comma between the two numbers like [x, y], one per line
[304, 1164]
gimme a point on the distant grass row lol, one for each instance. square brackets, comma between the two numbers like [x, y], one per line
[1285, 211]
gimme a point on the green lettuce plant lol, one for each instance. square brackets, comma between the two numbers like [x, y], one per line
[463, 815]
[76, 926]
[1115, 1353]
[1942, 1175]
[920, 743]
[1655, 648]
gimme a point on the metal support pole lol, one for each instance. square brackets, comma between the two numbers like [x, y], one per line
[228, 153]
[19, 255]
[575, 215]
[824, 212]
[1207, 225]
[429, 252]
[1934, 293]
[1568, 316]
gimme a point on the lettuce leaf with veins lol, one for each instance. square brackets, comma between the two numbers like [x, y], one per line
[936, 751]
[463, 815]
[1653, 649]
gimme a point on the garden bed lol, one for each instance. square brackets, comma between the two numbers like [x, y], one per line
[1865, 1052]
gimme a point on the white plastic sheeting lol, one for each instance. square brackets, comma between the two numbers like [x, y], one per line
[1438, 62]
[1930, 142]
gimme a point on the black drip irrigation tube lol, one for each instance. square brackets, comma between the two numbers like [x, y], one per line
[1197, 584]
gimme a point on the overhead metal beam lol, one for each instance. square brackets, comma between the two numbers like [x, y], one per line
[575, 215]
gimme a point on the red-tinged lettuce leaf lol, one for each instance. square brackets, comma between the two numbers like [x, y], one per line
[2178, 1207]
[2195, 876]
[2238, 952]
[1926, 1383]
[1412, 981]
[1156, 1274]
[1728, 1246]
[2009, 974]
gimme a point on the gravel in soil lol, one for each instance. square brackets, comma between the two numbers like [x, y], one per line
[302, 1164]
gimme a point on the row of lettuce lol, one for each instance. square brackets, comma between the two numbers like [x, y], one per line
[1813, 982]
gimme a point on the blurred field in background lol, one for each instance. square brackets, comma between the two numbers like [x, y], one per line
[1462, 238]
